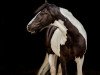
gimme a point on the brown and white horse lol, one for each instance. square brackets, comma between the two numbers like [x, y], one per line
[65, 38]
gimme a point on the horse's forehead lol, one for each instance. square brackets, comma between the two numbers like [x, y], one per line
[34, 18]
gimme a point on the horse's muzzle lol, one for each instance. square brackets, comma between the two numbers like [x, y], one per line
[30, 29]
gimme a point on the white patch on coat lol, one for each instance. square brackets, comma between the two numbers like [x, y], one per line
[74, 21]
[33, 18]
[79, 61]
[59, 37]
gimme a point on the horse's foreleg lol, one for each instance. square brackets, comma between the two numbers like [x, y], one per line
[79, 62]
[59, 70]
[63, 65]
[52, 62]
[45, 66]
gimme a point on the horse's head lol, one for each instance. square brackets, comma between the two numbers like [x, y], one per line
[46, 14]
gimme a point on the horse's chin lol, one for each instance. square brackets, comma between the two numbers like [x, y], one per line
[33, 32]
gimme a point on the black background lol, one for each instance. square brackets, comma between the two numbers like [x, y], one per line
[22, 53]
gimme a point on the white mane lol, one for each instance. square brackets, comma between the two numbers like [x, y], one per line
[74, 21]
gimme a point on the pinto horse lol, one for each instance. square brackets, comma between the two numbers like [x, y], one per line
[65, 37]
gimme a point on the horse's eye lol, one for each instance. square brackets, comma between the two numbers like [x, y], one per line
[41, 14]
[46, 13]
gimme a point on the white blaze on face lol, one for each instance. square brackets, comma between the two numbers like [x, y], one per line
[75, 22]
[33, 18]
[59, 37]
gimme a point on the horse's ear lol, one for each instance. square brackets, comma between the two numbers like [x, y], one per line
[41, 7]
[46, 1]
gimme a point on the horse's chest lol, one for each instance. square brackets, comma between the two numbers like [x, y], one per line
[55, 40]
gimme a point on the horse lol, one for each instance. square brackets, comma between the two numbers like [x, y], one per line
[65, 38]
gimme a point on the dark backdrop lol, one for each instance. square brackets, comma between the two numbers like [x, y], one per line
[23, 53]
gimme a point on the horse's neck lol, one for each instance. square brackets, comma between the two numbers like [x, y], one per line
[56, 36]
[49, 33]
